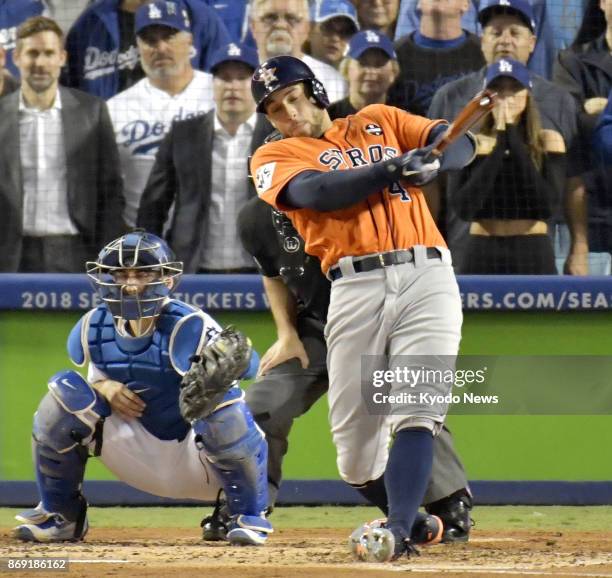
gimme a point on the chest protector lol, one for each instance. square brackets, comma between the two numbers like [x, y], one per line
[151, 366]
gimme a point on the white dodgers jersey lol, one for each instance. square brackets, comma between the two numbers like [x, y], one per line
[142, 115]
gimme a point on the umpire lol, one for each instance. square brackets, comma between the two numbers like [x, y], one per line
[293, 373]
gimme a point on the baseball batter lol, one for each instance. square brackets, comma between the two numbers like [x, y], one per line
[138, 348]
[351, 189]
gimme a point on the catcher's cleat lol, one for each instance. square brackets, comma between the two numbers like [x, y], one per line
[248, 530]
[454, 511]
[379, 544]
[214, 527]
[42, 526]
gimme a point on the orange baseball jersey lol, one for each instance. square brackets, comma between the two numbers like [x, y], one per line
[397, 217]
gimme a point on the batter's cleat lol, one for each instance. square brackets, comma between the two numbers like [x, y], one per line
[248, 530]
[428, 531]
[379, 544]
[214, 527]
[454, 511]
[41, 526]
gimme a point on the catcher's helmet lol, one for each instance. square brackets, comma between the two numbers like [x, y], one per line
[141, 252]
[282, 71]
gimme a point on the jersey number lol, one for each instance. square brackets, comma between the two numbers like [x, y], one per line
[397, 189]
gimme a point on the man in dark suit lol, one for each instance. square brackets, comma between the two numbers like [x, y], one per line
[202, 169]
[60, 193]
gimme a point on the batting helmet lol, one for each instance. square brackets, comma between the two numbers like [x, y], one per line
[282, 71]
[143, 253]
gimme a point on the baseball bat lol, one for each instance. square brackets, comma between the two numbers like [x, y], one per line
[467, 117]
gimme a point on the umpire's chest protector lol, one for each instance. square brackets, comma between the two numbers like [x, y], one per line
[150, 366]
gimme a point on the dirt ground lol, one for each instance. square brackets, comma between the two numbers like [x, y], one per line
[317, 553]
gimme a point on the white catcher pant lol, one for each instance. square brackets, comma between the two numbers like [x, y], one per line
[170, 469]
[409, 309]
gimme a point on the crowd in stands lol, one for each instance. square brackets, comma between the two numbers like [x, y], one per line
[123, 113]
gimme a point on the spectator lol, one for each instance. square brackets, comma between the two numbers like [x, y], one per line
[333, 23]
[12, 14]
[65, 12]
[507, 33]
[511, 188]
[102, 48]
[602, 137]
[234, 14]
[281, 27]
[600, 214]
[60, 192]
[379, 15]
[547, 32]
[202, 168]
[438, 52]
[7, 82]
[172, 90]
[370, 68]
[585, 70]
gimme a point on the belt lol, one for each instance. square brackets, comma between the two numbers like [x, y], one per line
[382, 260]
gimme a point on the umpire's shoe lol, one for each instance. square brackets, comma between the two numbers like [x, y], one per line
[454, 510]
[42, 526]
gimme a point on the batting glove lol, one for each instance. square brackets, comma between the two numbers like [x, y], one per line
[414, 167]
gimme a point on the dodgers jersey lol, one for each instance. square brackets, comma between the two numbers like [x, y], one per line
[142, 116]
[397, 217]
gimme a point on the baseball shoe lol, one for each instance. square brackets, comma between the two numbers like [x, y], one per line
[379, 544]
[248, 530]
[214, 527]
[41, 526]
[454, 511]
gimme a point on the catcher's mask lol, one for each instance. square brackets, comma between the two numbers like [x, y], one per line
[134, 275]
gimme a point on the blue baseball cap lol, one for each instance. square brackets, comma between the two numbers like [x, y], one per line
[324, 10]
[367, 39]
[234, 53]
[522, 8]
[511, 68]
[172, 14]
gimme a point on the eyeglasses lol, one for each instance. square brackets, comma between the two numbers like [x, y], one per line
[271, 20]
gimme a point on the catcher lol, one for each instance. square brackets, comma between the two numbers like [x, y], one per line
[161, 406]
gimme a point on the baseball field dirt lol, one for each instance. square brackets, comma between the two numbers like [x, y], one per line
[547, 548]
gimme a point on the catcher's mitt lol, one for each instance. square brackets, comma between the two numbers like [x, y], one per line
[212, 373]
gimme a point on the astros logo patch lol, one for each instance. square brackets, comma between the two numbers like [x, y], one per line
[267, 76]
[373, 129]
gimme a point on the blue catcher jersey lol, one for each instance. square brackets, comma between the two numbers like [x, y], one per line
[151, 366]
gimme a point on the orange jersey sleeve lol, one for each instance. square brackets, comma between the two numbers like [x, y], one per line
[396, 217]
[274, 164]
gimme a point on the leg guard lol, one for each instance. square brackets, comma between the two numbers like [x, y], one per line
[67, 419]
[237, 450]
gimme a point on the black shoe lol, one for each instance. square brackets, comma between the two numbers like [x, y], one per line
[214, 527]
[454, 510]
